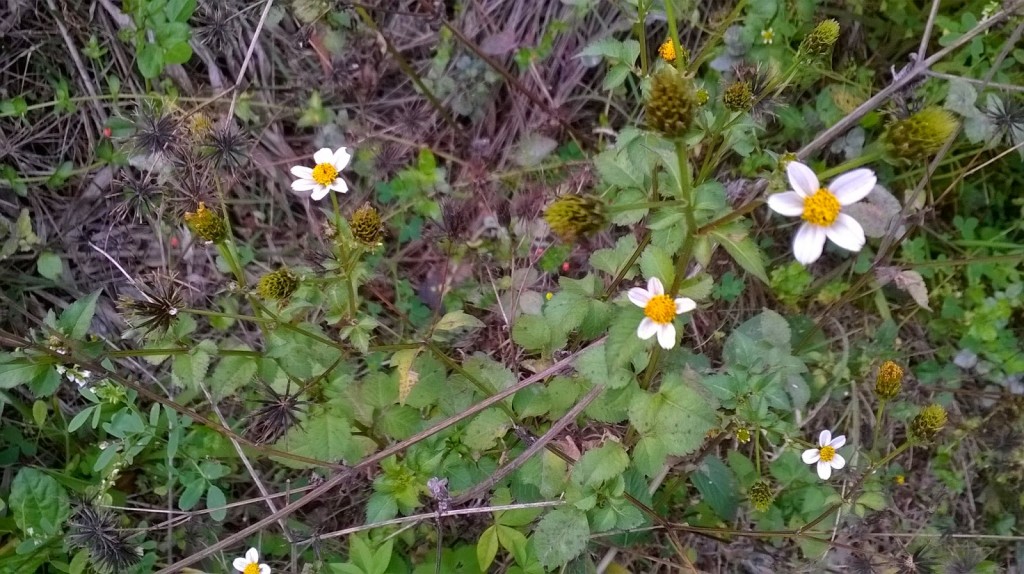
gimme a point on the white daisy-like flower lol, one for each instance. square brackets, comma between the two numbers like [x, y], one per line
[659, 311]
[250, 563]
[821, 209]
[825, 456]
[325, 176]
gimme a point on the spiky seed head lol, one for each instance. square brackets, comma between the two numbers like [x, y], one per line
[97, 531]
[278, 413]
[278, 284]
[366, 225]
[921, 135]
[928, 423]
[157, 132]
[821, 39]
[226, 146]
[738, 97]
[889, 380]
[207, 224]
[456, 218]
[761, 495]
[574, 216]
[159, 308]
[672, 101]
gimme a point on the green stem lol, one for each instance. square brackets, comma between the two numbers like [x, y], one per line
[673, 29]
[878, 425]
[641, 35]
[872, 153]
[729, 217]
[686, 192]
[642, 205]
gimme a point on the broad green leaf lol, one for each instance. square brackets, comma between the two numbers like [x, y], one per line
[487, 547]
[215, 501]
[151, 60]
[232, 373]
[623, 344]
[324, 435]
[567, 310]
[485, 429]
[75, 320]
[611, 261]
[188, 370]
[593, 365]
[39, 503]
[560, 536]
[655, 262]
[15, 371]
[672, 421]
[50, 265]
[458, 321]
[742, 249]
[717, 486]
[600, 464]
[532, 332]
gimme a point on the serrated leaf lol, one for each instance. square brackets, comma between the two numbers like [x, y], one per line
[485, 429]
[600, 464]
[673, 421]
[531, 332]
[717, 486]
[232, 373]
[76, 318]
[324, 435]
[742, 249]
[623, 343]
[188, 370]
[592, 364]
[39, 503]
[560, 536]
[906, 280]
[655, 262]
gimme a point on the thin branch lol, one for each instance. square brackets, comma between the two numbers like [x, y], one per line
[928, 29]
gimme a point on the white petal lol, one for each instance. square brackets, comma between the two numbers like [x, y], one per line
[654, 286]
[339, 185]
[838, 442]
[685, 305]
[264, 569]
[838, 461]
[667, 336]
[853, 186]
[319, 193]
[824, 437]
[811, 456]
[240, 564]
[304, 185]
[846, 232]
[639, 297]
[341, 158]
[302, 171]
[824, 470]
[323, 155]
[789, 203]
[647, 328]
[802, 179]
[808, 243]
[252, 555]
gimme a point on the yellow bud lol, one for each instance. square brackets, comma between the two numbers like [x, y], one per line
[927, 424]
[737, 97]
[672, 102]
[208, 225]
[761, 495]
[366, 225]
[573, 216]
[921, 135]
[889, 380]
[278, 284]
[820, 41]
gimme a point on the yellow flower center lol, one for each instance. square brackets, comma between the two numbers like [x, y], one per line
[667, 51]
[252, 567]
[827, 453]
[661, 309]
[324, 174]
[821, 209]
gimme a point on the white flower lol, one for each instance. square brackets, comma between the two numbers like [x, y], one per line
[825, 456]
[659, 311]
[250, 564]
[768, 36]
[821, 209]
[325, 175]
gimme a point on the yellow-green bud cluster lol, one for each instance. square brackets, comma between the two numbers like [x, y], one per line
[927, 424]
[199, 126]
[889, 380]
[366, 225]
[702, 97]
[672, 102]
[208, 225]
[573, 216]
[821, 39]
[278, 284]
[921, 135]
[738, 97]
[761, 495]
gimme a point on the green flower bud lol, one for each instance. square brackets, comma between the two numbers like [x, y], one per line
[927, 424]
[671, 104]
[206, 224]
[366, 225]
[278, 284]
[761, 495]
[921, 135]
[821, 39]
[702, 97]
[573, 216]
[889, 380]
[737, 97]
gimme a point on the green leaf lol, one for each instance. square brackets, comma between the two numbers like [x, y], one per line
[742, 248]
[623, 344]
[215, 501]
[717, 486]
[178, 53]
[325, 435]
[15, 371]
[611, 261]
[487, 547]
[600, 464]
[567, 310]
[188, 370]
[456, 324]
[151, 60]
[39, 503]
[655, 262]
[232, 373]
[50, 265]
[673, 421]
[485, 429]
[532, 332]
[74, 321]
[561, 536]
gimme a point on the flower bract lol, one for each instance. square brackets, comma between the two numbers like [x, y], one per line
[826, 456]
[821, 208]
[659, 312]
[325, 176]
[250, 563]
